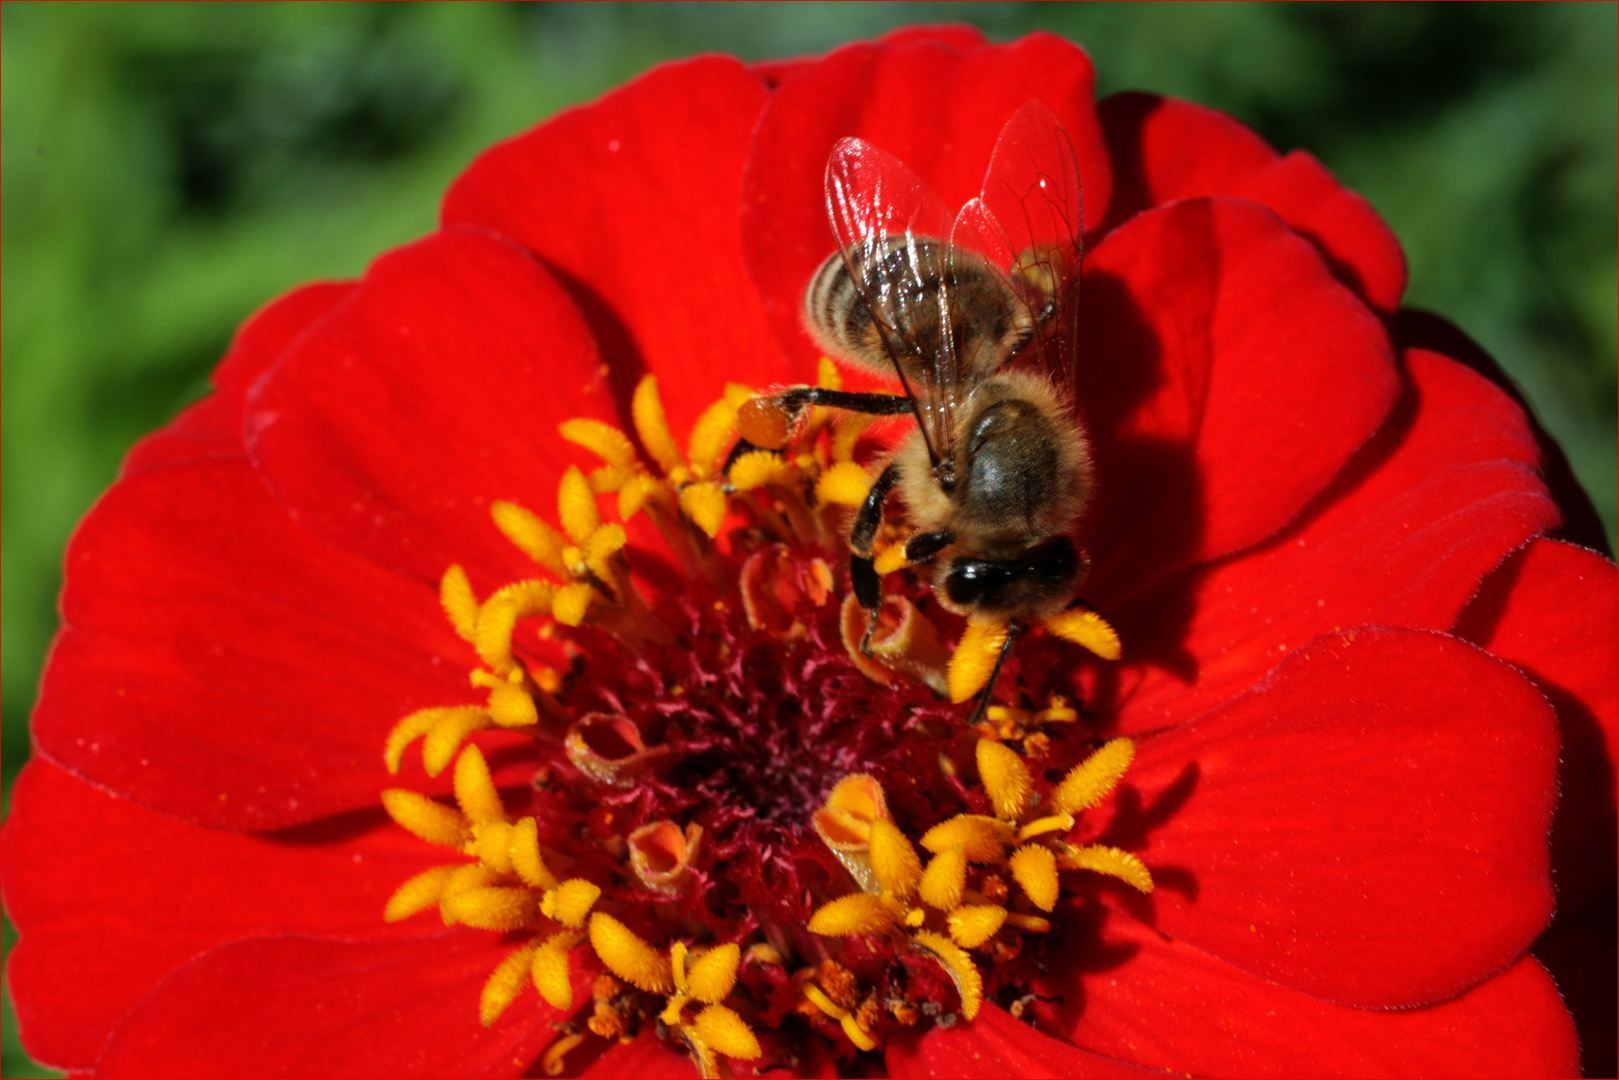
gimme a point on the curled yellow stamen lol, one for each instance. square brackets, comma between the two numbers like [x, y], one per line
[975, 657]
[628, 956]
[1005, 777]
[1089, 782]
[1085, 627]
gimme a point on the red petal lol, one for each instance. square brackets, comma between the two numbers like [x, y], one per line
[952, 35]
[1127, 991]
[435, 391]
[645, 1056]
[1401, 538]
[1226, 378]
[993, 1044]
[1368, 825]
[109, 897]
[223, 665]
[1165, 149]
[297, 1006]
[936, 106]
[632, 201]
[1582, 959]
[213, 425]
[1581, 523]
[1550, 610]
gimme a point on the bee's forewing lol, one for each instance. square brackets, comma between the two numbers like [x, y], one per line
[872, 199]
[1030, 212]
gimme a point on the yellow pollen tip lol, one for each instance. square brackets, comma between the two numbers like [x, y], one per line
[960, 967]
[704, 504]
[460, 605]
[1041, 826]
[492, 844]
[420, 723]
[604, 543]
[512, 706]
[418, 894]
[1005, 777]
[827, 375]
[490, 908]
[945, 878]
[635, 494]
[570, 902]
[844, 484]
[526, 860]
[890, 559]
[422, 817]
[550, 969]
[1088, 783]
[711, 435]
[475, 788]
[1085, 627]
[857, 913]
[646, 410]
[846, 434]
[576, 506]
[983, 838]
[893, 859]
[498, 618]
[627, 956]
[530, 535]
[974, 658]
[725, 1032]
[504, 984]
[449, 732]
[757, 468]
[1035, 869]
[603, 440]
[571, 603]
[713, 975]
[552, 1061]
[975, 924]
[1111, 861]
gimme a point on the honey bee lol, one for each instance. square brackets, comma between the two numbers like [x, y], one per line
[973, 315]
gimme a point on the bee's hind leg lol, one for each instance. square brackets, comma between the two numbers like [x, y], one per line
[868, 585]
[1012, 629]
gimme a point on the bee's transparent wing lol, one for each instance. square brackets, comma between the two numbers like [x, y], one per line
[1027, 223]
[891, 229]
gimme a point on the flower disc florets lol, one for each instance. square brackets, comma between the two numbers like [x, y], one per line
[716, 763]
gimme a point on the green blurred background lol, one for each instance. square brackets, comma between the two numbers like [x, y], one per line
[169, 168]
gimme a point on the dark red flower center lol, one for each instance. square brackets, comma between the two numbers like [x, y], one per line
[727, 793]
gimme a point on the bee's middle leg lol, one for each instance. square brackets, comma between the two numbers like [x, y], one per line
[868, 586]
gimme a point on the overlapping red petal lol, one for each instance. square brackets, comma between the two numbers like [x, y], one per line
[632, 203]
[436, 390]
[1422, 771]
[114, 917]
[1150, 998]
[1401, 537]
[1163, 150]
[220, 663]
[1226, 378]
[302, 1006]
[1335, 818]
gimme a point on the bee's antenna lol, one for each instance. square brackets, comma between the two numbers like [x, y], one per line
[1012, 629]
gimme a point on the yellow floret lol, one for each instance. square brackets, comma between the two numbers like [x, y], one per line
[725, 1032]
[857, 913]
[975, 658]
[628, 957]
[713, 975]
[504, 984]
[1087, 628]
[421, 816]
[1088, 783]
[1005, 777]
[1035, 869]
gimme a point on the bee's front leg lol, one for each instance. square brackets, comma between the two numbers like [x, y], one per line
[868, 586]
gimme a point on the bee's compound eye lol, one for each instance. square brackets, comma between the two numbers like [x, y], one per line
[964, 584]
[764, 422]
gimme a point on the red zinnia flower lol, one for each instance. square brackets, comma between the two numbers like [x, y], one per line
[1322, 532]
